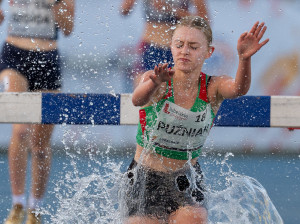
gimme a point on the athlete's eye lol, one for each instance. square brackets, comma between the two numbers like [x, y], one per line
[179, 45]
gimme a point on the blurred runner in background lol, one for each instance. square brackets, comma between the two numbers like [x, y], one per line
[30, 62]
[160, 17]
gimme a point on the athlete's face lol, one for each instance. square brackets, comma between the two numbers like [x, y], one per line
[189, 48]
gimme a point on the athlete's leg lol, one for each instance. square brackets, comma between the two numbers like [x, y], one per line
[41, 161]
[17, 155]
[189, 215]
[41, 158]
[17, 151]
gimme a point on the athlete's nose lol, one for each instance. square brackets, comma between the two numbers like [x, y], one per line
[185, 49]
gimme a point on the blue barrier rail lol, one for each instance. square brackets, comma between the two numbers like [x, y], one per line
[107, 109]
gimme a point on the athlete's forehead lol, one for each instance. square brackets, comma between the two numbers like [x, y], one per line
[189, 42]
[189, 34]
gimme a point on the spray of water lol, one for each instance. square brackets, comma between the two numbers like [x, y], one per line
[236, 198]
[244, 201]
[87, 191]
[91, 192]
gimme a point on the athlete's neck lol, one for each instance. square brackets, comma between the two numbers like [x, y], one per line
[187, 80]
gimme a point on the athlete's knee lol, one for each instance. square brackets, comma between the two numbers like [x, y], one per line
[41, 134]
[21, 132]
[13, 81]
[141, 220]
[41, 153]
[189, 215]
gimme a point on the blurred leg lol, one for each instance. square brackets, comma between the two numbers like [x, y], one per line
[17, 155]
[41, 161]
[17, 151]
[13, 81]
[41, 158]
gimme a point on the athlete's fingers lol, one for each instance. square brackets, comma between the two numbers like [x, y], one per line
[159, 68]
[243, 35]
[257, 31]
[264, 42]
[254, 28]
[262, 32]
[165, 65]
[249, 35]
[171, 73]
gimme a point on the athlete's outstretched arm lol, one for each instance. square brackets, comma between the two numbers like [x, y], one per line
[248, 44]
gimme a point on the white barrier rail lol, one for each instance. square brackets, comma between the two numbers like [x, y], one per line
[107, 109]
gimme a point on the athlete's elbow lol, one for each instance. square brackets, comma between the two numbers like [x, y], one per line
[236, 93]
[137, 102]
[124, 12]
[67, 32]
[68, 29]
[239, 93]
[241, 90]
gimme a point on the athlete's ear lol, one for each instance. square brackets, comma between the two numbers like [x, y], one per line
[211, 50]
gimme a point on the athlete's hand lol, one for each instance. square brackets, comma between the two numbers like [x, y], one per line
[248, 43]
[161, 74]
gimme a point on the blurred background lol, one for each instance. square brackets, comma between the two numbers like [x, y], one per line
[99, 58]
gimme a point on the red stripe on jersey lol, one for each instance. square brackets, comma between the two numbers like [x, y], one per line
[143, 121]
[203, 92]
[169, 93]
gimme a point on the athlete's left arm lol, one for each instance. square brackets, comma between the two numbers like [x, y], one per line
[127, 6]
[1, 13]
[201, 10]
[248, 45]
[64, 15]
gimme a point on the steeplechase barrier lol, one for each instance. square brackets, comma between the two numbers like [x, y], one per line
[108, 109]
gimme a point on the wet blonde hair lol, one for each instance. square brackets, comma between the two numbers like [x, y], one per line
[198, 23]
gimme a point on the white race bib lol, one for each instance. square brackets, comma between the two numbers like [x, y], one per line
[180, 129]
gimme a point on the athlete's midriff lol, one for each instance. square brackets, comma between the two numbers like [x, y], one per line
[159, 162]
[32, 43]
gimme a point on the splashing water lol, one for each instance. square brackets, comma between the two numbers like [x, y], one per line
[88, 198]
[88, 193]
[245, 201]
[235, 198]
